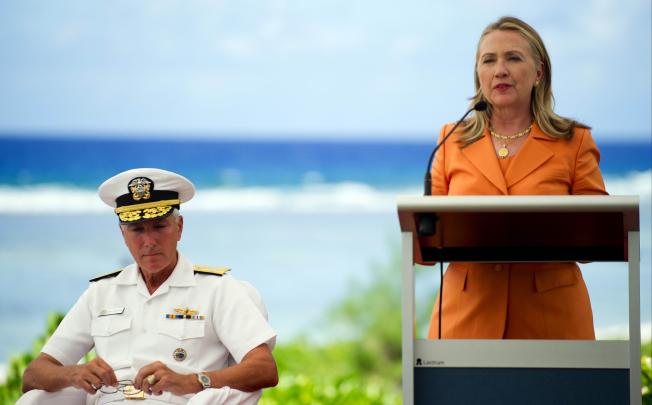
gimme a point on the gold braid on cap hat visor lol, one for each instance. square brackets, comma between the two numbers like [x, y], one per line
[153, 204]
[154, 209]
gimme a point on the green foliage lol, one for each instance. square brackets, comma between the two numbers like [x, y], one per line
[11, 390]
[372, 315]
[300, 389]
[325, 375]
[364, 368]
[646, 373]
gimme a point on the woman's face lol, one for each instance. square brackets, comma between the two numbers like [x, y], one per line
[506, 70]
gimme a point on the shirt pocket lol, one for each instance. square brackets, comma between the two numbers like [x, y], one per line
[182, 329]
[185, 336]
[112, 335]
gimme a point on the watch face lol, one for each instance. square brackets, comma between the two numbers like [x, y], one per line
[204, 380]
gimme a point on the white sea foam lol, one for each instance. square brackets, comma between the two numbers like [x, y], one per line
[615, 332]
[341, 197]
[310, 198]
[48, 199]
[635, 183]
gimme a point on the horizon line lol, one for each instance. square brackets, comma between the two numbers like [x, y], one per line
[276, 136]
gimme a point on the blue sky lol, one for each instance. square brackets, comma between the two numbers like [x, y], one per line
[302, 69]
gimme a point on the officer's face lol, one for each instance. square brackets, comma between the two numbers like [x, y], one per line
[153, 244]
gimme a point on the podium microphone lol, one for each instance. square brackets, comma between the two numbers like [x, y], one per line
[427, 223]
[479, 106]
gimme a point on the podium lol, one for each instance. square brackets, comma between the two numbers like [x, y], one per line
[520, 229]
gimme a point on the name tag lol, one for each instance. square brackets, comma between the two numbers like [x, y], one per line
[111, 311]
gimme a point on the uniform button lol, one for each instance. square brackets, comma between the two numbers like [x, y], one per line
[498, 267]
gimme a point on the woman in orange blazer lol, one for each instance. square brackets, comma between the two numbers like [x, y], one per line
[517, 146]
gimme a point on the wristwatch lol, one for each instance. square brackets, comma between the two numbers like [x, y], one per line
[204, 380]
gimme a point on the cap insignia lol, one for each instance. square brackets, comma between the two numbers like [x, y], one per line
[140, 188]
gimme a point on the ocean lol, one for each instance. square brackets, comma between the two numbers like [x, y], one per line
[304, 221]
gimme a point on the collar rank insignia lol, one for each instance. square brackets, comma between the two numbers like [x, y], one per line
[213, 271]
[140, 188]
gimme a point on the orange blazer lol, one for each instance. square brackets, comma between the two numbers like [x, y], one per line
[521, 301]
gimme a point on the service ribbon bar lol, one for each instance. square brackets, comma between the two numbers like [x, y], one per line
[180, 316]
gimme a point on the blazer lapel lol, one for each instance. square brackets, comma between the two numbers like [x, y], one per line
[533, 154]
[483, 156]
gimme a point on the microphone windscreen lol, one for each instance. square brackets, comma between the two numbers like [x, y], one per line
[480, 105]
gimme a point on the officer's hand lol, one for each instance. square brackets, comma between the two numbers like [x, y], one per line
[92, 375]
[165, 380]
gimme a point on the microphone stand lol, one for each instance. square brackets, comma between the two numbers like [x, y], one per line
[426, 223]
[426, 226]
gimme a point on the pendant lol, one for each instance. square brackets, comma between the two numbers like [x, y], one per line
[503, 152]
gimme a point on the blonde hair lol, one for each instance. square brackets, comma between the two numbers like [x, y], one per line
[542, 101]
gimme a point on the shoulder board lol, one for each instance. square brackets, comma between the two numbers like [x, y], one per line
[214, 271]
[109, 275]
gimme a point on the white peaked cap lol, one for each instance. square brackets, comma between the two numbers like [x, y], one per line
[145, 193]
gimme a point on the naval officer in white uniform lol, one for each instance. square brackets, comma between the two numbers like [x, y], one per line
[165, 331]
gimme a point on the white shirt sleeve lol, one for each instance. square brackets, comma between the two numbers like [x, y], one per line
[72, 339]
[239, 322]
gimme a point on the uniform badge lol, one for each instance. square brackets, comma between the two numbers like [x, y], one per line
[184, 313]
[180, 354]
[112, 311]
[140, 188]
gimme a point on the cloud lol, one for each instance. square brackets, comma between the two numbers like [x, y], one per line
[313, 67]
[406, 46]
[237, 46]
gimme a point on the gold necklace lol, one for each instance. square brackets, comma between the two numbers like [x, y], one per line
[504, 152]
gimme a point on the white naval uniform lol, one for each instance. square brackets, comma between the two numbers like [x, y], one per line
[129, 329]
